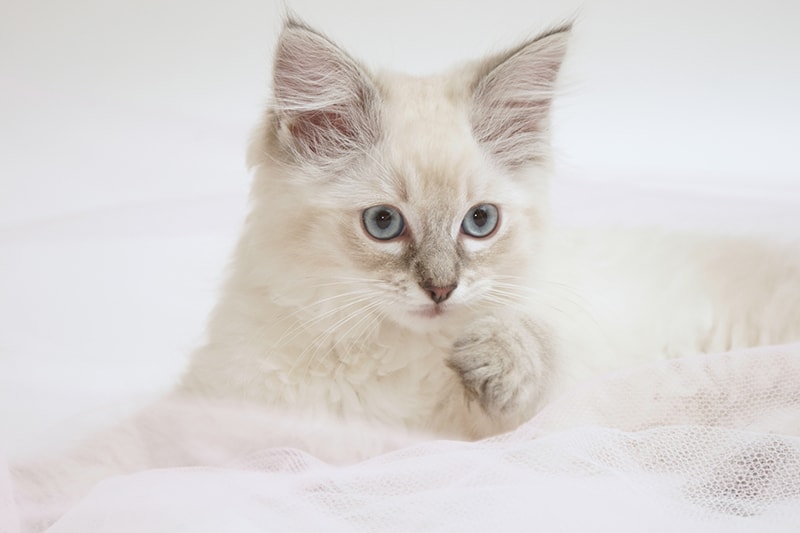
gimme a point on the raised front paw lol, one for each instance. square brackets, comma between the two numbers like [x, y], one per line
[500, 364]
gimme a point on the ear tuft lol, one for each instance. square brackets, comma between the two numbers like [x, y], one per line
[513, 95]
[325, 101]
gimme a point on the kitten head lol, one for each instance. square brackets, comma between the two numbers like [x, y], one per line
[411, 198]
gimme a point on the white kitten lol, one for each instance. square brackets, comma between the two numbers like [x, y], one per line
[397, 271]
[397, 266]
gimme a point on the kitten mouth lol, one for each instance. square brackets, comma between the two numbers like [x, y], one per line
[431, 311]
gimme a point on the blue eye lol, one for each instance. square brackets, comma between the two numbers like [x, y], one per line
[383, 222]
[480, 221]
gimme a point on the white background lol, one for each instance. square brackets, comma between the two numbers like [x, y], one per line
[123, 126]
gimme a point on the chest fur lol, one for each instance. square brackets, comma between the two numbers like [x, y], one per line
[393, 377]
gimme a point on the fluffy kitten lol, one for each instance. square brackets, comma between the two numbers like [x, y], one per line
[397, 266]
[397, 271]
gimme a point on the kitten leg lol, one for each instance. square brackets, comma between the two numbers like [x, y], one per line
[503, 363]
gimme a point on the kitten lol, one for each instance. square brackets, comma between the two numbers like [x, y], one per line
[397, 266]
[397, 270]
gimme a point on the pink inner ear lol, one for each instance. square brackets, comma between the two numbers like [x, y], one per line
[513, 130]
[323, 98]
[515, 117]
[324, 132]
[512, 100]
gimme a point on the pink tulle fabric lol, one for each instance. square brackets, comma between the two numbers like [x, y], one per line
[704, 443]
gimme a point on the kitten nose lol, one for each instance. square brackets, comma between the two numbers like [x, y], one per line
[439, 294]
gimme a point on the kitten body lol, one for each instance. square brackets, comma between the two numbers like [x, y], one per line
[320, 318]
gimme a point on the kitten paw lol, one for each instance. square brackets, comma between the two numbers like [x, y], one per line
[499, 365]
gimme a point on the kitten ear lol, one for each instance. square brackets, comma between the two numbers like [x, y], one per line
[325, 101]
[512, 99]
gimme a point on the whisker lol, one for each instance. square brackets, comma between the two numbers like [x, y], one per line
[528, 283]
[541, 293]
[329, 282]
[296, 329]
[519, 301]
[545, 297]
[366, 315]
[320, 340]
[364, 336]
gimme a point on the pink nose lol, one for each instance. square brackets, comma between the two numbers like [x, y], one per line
[439, 294]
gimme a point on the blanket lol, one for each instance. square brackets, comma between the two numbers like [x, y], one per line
[703, 443]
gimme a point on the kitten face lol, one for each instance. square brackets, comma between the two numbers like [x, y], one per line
[417, 199]
[460, 214]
